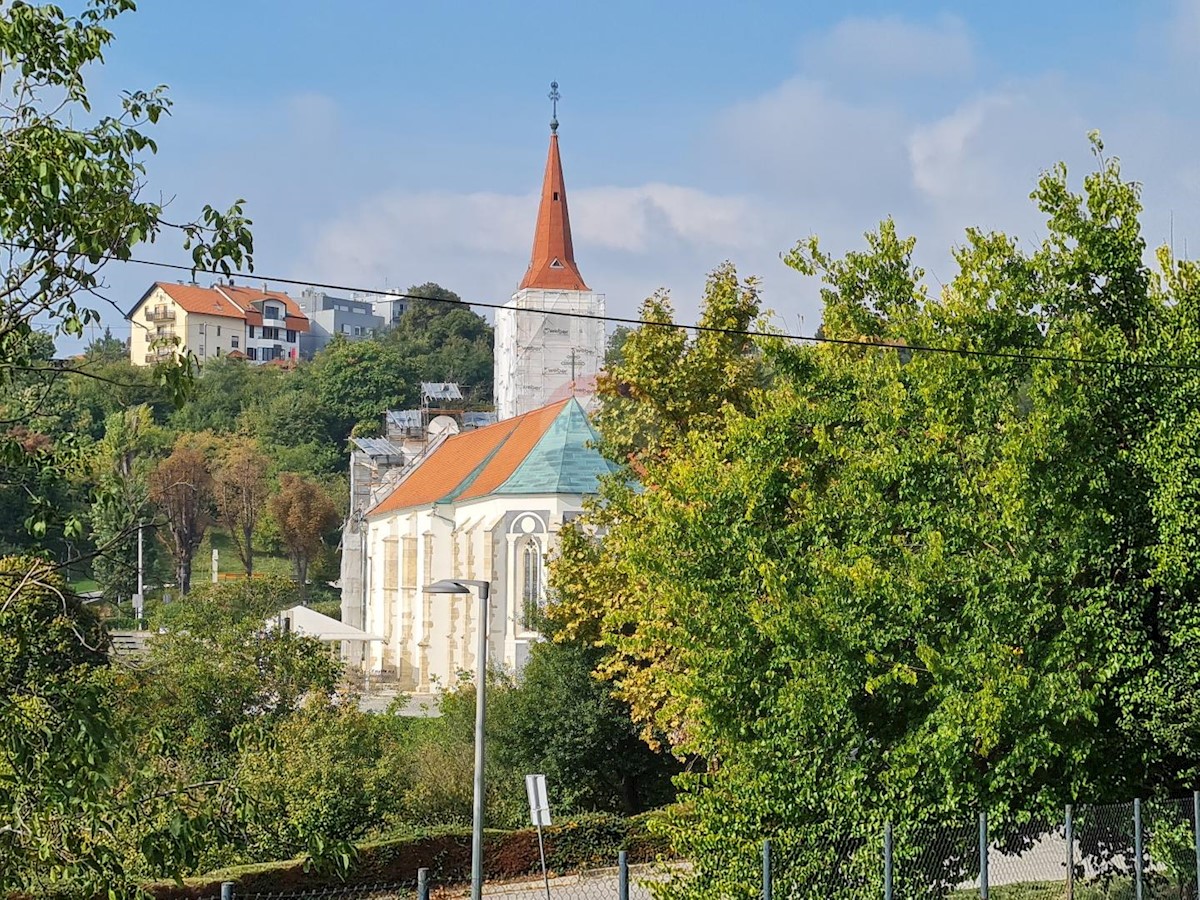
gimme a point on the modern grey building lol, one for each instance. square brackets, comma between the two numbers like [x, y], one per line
[328, 315]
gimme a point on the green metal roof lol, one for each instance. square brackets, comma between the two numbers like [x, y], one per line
[563, 461]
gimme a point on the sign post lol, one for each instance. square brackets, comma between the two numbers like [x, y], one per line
[539, 814]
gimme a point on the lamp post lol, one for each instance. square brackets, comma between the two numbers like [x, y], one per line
[463, 586]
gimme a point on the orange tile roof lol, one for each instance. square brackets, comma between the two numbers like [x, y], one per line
[248, 295]
[513, 451]
[202, 300]
[230, 301]
[473, 464]
[552, 264]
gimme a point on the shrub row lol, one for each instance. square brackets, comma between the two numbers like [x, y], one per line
[586, 842]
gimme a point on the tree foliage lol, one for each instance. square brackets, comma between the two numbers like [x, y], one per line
[304, 513]
[181, 486]
[901, 585]
[241, 488]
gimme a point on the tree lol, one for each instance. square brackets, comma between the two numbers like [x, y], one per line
[355, 382]
[121, 502]
[665, 384]
[304, 513]
[181, 486]
[442, 339]
[903, 586]
[241, 490]
[560, 720]
[87, 809]
[219, 668]
[72, 198]
[106, 349]
[71, 192]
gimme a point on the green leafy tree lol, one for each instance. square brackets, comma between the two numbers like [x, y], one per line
[106, 349]
[71, 193]
[442, 339]
[88, 808]
[354, 382]
[560, 720]
[320, 776]
[900, 585]
[122, 502]
[223, 668]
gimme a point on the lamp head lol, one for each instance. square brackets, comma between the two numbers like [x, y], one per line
[447, 586]
[458, 586]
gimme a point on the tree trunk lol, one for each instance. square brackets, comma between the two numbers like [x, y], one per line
[183, 573]
[629, 795]
[301, 565]
[248, 555]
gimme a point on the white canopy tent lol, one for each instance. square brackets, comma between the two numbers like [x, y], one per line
[303, 620]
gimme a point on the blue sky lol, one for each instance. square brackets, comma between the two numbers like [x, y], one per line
[389, 143]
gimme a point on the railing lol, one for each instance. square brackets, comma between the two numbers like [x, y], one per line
[155, 356]
[161, 314]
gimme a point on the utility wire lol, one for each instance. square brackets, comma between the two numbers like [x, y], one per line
[1026, 356]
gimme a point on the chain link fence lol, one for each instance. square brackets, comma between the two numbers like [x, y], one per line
[1131, 851]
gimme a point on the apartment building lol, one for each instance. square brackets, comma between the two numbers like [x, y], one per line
[223, 320]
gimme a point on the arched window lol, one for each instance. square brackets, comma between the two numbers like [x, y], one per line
[531, 583]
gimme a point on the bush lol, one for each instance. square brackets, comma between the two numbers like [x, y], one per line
[446, 852]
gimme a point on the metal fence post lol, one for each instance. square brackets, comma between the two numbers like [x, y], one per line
[983, 856]
[766, 878]
[1196, 824]
[623, 875]
[226, 890]
[1069, 827]
[1137, 849]
[887, 861]
[422, 883]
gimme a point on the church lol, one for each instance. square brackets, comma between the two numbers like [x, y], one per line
[481, 501]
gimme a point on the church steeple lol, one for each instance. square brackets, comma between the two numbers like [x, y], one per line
[552, 265]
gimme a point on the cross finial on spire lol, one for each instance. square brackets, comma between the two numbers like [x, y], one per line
[554, 98]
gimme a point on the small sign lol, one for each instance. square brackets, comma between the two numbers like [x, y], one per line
[138, 606]
[539, 804]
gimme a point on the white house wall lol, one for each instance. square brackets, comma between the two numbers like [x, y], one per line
[430, 639]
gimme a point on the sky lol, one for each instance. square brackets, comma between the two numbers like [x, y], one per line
[383, 144]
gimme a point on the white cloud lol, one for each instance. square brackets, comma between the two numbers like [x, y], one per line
[891, 47]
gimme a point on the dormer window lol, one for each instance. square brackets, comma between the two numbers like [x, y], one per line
[556, 195]
[555, 264]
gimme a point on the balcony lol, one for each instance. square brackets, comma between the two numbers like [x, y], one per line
[158, 355]
[161, 314]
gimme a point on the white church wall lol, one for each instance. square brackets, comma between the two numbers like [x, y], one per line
[431, 638]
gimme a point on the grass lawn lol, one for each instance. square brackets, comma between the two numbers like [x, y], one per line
[265, 562]
[84, 586]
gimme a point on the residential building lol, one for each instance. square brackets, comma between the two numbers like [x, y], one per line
[354, 319]
[538, 353]
[485, 504]
[388, 307]
[222, 320]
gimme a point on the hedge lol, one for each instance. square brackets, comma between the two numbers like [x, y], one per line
[586, 842]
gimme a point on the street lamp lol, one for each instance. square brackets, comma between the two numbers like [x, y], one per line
[463, 586]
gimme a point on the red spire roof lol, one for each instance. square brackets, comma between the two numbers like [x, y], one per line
[552, 266]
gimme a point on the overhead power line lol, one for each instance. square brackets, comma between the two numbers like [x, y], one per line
[1031, 355]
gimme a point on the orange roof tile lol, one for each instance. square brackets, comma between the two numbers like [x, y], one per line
[470, 465]
[230, 301]
[248, 295]
[201, 300]
[552, 264]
